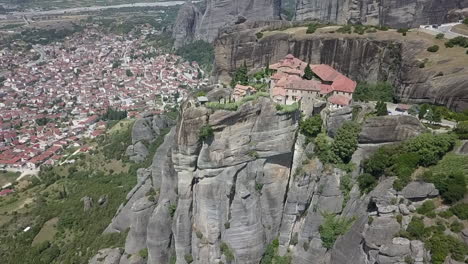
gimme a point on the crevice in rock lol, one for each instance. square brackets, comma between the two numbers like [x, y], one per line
[232, 193]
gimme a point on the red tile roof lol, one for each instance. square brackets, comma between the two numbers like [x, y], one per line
[339, 100]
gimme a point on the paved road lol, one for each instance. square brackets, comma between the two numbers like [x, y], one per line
[28, 172]
[445, 29]
[42, 54]
[95, 8]
[392, 111]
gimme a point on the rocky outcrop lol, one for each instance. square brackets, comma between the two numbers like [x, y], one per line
[381, 56]
[185, 26]
[336, 119]
[463, 149]
[107, 256]
[419, 191]
[145, 130]
[387, 129]
[191, 24]
[225, 196]
[399, 13]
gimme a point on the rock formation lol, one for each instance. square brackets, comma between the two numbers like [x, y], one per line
[225, 196]
[145, 131]
[188, 18]
[388, 129]
[191, 24]
[382, 56]
[398, 13]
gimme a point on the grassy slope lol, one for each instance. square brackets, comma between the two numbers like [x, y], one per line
[56, 207]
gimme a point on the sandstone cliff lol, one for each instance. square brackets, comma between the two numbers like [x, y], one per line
[398, 13]
[369, 57]
[224, 197]
[191, 24]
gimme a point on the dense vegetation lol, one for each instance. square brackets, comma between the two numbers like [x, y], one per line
[59, 193]
[199, 51]
[440, 244]
[240, 76]
[341, 148]
[112, 114]
[311, 126]
[206, 132]
[402, 159]
[333, 226]
[46, 36]
[427, 111]
[457, 41]
[79, 233]
[380, 91]
[271, 255]
[381, 109]
[462, 130]
[114, 146]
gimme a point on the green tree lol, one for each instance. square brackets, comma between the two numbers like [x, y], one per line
[240, 76]
[346, 142]
[462, 130]
[199, 51]
[308, 74]
[380, 91]
[429, 147]
[323, 148]
[366, 182]
[423, 111]
[129, 73]
[460, 210]
[381, 109]
[440, 36]
[433, 48]
[205, 133]
[333, 226]
[403, 31]
[311, 126]
[433, 115]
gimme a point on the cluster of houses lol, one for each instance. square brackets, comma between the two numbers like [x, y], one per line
[288, 85]
[58, 98]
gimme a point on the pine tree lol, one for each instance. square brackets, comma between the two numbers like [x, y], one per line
[308, 74]
[240, 76]
[381, 109]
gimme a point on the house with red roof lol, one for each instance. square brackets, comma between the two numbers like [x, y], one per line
[288, 86]
[241, 91]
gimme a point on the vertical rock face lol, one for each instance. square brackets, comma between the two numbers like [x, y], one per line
[191, 24]
[231, 187]
[360, 58]
[187, 20]
[221, 13]
[396, 13]
[224, 197]
[378, 57]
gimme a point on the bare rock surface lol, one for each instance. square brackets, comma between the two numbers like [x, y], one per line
[419, 190]
[337, 118]
[399, 13]
[192, 24]
[107, 256]
[144, 131]
[385, 129]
